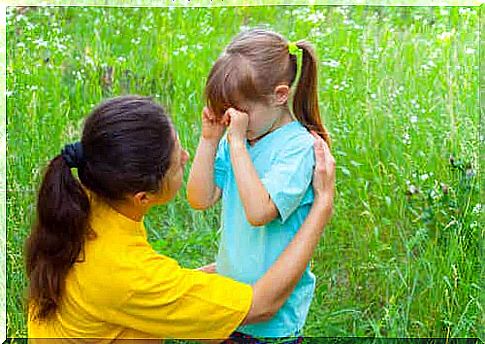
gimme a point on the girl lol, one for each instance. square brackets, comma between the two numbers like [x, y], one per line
[92, 273]
[263, 167]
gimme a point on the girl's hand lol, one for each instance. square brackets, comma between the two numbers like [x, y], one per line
[212, 128]
[210, 269]
[324, 173]
[238, 125]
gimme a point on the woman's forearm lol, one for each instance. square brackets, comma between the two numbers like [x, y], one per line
[201, 189]
[273, 289]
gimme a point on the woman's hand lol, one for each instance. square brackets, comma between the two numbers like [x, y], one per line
[324, 173]
[210, 269]
[238, 125]
[212, 128]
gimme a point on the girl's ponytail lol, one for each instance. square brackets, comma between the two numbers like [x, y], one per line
[305, 100]
[57, 236]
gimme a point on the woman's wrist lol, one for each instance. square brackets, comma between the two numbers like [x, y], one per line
[323, 201]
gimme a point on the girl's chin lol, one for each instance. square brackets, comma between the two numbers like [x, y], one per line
[251, 135]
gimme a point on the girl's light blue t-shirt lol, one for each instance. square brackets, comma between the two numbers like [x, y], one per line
[284, 160]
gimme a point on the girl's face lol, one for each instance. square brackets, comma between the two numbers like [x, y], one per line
[262, 119]
[172, 181]
[265, 116]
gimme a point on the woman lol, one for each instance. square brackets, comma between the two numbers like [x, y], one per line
[91, 270]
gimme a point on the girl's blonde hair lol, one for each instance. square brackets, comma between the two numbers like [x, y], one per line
[253, 64]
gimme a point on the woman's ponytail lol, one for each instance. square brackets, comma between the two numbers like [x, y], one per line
[57, 236]
[112, 162]
[305, 101]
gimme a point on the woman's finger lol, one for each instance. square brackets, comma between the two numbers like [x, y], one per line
[319, 157]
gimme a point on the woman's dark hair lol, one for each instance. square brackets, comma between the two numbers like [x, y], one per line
[253, 64]
[126, 145]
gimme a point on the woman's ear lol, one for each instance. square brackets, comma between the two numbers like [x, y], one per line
[141, 199]
[281, 94]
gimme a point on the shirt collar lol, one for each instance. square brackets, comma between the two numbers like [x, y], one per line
[103, 216]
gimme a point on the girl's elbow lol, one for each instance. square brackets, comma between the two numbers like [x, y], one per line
[196, 203]
[259, 220]
[198, 206]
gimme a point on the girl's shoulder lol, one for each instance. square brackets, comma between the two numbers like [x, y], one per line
[296, 135]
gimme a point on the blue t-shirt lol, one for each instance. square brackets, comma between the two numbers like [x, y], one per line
[284, 161]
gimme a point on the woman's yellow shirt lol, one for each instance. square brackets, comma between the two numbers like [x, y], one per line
[121, 288]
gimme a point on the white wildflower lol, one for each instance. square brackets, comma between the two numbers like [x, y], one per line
[316, 17]
[331, 63]
[444, 12]
[477, 208]
[406, 139]
[40, 42]
[446, 35]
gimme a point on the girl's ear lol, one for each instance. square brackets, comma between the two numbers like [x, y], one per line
[281, 94]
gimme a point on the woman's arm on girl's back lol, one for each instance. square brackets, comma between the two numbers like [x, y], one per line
[273, 289]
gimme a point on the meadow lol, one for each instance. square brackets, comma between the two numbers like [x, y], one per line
[399, 93]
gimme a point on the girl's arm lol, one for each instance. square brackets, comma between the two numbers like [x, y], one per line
[272, 290]
[201, 189]
[257, 203]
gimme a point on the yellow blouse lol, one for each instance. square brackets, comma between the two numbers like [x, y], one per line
[121, 288]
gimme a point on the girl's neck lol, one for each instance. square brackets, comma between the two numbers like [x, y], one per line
[283, 119]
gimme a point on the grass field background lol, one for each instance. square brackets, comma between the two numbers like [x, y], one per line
[399, 93]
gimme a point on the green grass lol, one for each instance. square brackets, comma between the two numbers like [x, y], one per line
[398, 93]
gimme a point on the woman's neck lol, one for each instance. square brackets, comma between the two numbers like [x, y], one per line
[128, 210]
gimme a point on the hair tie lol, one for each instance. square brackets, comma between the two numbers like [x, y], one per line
[72, 154]
[293, 49]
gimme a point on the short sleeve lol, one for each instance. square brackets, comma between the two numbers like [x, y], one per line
[289, 178]
[221, 163]
[168, 301]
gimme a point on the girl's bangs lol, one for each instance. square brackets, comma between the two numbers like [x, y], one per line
[230, 84]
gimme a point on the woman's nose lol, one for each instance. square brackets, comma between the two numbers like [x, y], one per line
[186, 156]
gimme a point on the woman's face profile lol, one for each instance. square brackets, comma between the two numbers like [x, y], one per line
[172, 182]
